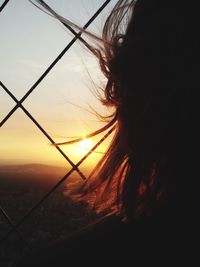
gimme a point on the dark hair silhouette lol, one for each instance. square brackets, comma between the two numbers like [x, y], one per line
[152, 78]
[148, 54]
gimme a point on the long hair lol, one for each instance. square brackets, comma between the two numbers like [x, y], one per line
[140, 54]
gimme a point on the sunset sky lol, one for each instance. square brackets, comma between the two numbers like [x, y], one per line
[30, 41]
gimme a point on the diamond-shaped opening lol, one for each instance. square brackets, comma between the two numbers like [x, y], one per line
[28, 46]
[6, 104]
[30, 168]
[65, 101]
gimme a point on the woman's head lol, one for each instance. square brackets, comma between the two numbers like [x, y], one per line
[149, 56]
[151, 68]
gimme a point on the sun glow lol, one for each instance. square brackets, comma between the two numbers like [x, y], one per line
[86, 145]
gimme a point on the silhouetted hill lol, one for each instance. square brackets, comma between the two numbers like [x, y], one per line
[31, 168]
[30, 174]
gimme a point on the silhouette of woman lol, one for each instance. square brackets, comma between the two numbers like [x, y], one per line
[147, 181]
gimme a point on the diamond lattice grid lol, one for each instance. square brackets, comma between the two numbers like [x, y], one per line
[18, 84]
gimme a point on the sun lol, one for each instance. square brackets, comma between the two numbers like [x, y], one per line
[86, 145]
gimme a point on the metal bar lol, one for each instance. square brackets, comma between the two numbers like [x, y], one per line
[3, 5]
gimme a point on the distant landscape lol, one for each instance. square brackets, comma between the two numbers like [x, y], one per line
[21, 187]
[30, 174]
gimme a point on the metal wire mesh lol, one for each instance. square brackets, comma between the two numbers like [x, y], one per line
[14, 227]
